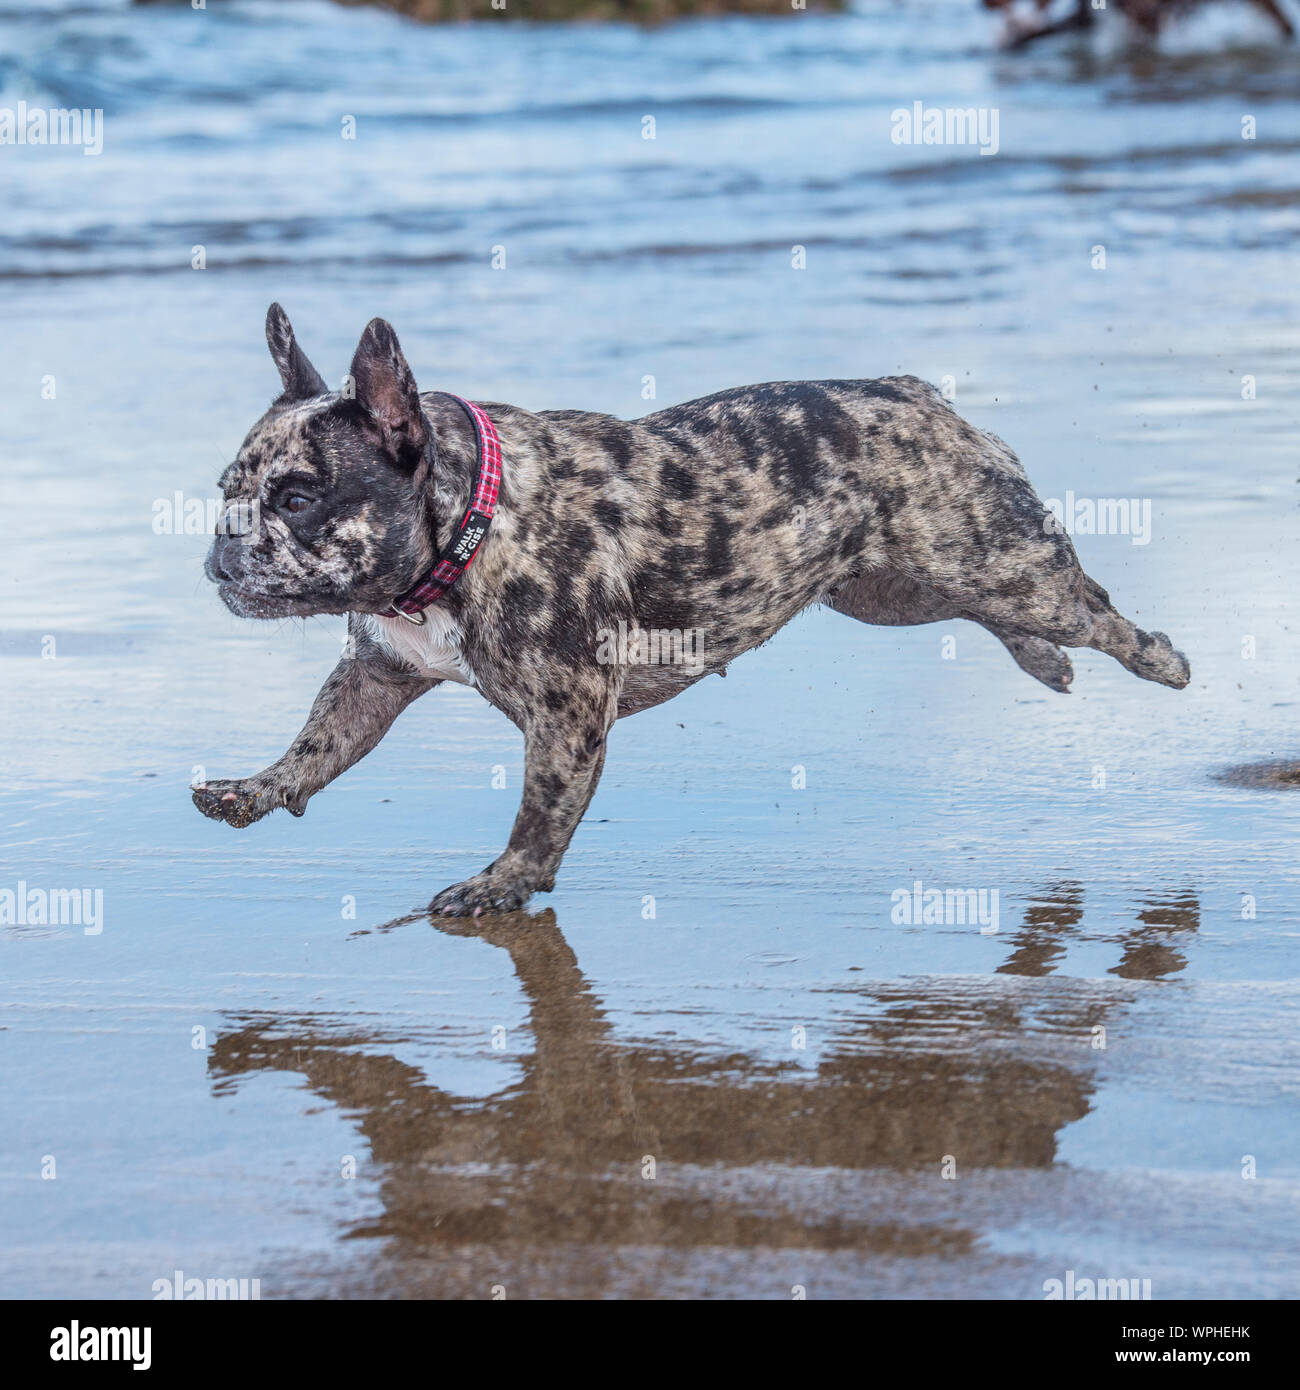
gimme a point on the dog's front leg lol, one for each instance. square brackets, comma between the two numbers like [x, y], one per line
[563, 757]
[356, 707]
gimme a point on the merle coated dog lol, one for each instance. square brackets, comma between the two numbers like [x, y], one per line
[722, 518]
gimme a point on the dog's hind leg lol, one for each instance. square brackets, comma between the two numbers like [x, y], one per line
[889, 599]
[1037, 589]
[1073, 610]
[970, 527]
[1150, 655]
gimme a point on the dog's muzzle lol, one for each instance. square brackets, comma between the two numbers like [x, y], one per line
[238, 521]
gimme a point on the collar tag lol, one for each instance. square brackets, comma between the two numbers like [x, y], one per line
[472, 531]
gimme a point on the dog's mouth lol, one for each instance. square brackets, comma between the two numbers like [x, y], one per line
[245, 602]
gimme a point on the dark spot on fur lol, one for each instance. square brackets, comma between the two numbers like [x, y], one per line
[718, 549]
[521, 597]
[882, 391]
[609, 514]
[678, 482]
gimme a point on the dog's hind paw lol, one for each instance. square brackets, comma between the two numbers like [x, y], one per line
[1155, 658]
[484, 893]
[1043, 660]
[1169, 665]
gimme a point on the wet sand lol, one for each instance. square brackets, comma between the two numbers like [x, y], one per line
[832, 1100]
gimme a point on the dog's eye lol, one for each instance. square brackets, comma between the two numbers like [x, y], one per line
[296, 502]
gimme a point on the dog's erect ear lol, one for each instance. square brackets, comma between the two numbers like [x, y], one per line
[300, 379]
[385, 387]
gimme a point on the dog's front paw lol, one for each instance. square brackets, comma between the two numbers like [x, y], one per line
[238, 803]
[485, 892]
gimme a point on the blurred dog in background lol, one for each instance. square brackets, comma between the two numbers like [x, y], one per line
[1147, 16]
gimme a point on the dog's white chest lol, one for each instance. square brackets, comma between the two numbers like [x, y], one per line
[432, 647]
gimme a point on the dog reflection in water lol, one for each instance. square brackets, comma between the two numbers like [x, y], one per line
[604, 1145]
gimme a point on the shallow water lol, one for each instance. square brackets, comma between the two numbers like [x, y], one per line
[1095, 1077]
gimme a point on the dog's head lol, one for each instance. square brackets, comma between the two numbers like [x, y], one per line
[325, 504]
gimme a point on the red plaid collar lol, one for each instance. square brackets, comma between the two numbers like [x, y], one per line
[464, 545]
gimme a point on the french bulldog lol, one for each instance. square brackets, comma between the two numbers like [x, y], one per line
[622, 562]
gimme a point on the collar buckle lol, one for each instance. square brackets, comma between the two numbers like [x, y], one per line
[415, 619]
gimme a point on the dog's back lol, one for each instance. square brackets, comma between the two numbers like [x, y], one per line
[728, 515]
